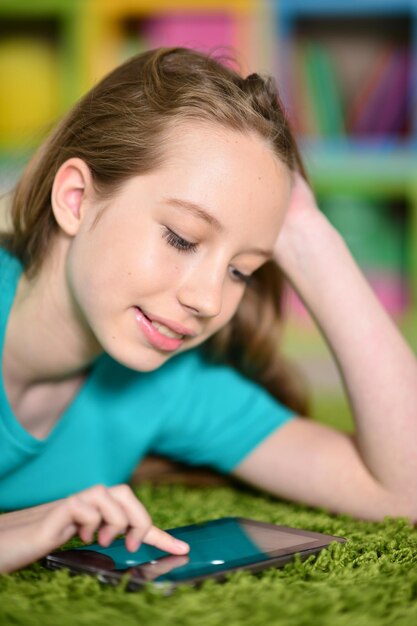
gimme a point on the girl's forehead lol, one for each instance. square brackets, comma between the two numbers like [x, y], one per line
[209, 157]
[201, 136]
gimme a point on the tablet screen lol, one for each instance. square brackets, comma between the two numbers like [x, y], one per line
[214, 546]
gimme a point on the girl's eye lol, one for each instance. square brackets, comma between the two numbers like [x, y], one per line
[239, 277]
[178, 242]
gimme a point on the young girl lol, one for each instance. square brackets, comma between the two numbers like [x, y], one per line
[149, 223]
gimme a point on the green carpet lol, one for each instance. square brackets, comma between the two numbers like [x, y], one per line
[371, 580]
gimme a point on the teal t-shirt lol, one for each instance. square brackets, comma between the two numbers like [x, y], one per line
[188, 410]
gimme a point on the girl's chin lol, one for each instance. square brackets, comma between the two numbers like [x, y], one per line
[142, 356]
[142, 360]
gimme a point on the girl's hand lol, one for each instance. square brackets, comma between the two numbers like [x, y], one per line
[303, 220]
[302, 198]
[307, 243]
[30, 534]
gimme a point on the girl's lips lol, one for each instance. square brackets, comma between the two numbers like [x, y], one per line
[154, 337]
[179, 329]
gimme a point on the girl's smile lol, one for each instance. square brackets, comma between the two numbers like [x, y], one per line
[162, 334]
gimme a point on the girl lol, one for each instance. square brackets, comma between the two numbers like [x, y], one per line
[149, 223]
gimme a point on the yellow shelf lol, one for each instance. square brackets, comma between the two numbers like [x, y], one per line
[121, 7]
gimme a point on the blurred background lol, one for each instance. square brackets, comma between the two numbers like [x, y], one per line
[346, 71]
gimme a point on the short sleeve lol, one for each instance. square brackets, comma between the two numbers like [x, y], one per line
[217, 416]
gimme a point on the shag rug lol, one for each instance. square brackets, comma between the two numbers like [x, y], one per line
[369, 581]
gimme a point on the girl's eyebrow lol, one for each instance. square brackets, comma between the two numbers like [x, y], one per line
[197, 210]
[202, 213]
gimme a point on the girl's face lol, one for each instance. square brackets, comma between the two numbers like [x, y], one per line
[168, 260]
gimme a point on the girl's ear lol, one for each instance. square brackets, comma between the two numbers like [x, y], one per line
[71, 188]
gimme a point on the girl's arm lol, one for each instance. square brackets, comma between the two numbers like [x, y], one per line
[374, 473]
[30, 534]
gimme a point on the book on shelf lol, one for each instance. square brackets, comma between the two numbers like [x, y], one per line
[365, 94]
[382, 107]
[207, 32]
[323, 86]
[379, 109]
[204, 31]
[393, 115]
[301, 107]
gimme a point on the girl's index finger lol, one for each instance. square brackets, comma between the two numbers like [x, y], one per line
[164, 541]
[142, 530]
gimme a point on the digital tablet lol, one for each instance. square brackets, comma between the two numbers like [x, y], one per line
[217, 547]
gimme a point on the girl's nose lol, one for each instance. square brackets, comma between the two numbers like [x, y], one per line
[202, 292]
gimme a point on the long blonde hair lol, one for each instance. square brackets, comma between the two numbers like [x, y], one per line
[118, 129]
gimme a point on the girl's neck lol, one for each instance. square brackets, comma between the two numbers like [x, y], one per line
[46, 338]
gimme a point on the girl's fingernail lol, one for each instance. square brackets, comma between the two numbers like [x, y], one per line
[181, 544]
[132, 543]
